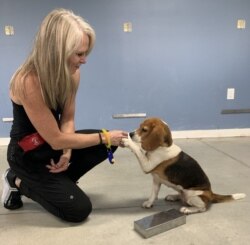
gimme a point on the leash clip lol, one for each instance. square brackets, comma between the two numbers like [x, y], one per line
[108, 146]
[110, 156]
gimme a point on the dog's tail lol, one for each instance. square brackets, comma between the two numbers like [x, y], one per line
[217, 198]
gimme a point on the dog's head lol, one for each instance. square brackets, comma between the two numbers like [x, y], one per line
[152, 133]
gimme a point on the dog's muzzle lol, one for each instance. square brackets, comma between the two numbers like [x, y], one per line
[131, 134]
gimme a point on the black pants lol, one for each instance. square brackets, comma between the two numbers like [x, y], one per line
[58, 193]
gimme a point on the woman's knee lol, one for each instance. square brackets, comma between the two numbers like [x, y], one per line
[78, 212]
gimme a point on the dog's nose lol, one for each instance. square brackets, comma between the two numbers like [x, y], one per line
[131, 134]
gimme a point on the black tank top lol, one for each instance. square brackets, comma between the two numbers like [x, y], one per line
[22, 125]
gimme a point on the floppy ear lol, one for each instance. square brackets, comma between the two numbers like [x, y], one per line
[154, 139]
[168, 136]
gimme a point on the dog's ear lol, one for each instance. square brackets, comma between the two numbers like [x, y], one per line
[168, 136]
[154, 139]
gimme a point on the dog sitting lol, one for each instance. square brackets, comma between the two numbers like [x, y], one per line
[153, 146]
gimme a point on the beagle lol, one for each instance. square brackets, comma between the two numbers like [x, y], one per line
[153, 146]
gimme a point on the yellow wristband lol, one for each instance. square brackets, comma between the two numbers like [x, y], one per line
[107, 137]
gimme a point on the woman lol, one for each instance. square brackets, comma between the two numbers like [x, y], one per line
[45, 154]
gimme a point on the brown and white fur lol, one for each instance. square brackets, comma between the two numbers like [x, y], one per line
[157, 154]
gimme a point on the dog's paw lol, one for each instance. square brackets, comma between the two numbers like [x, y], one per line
[147, 204]
[185, 210]
[191, 210]
[172, 198]
[126, 142]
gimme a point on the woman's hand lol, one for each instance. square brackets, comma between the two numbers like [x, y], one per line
[116, 137]
[61, 166]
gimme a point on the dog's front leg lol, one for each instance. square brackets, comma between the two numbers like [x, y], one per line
[154, 193]
[145, 163]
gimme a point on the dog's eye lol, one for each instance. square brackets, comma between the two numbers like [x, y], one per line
[144, 129]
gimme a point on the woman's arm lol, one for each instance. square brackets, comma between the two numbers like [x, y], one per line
[44, 122]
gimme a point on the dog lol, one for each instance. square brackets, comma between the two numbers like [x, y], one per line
[153, 146]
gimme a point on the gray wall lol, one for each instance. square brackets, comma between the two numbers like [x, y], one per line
[176, 64]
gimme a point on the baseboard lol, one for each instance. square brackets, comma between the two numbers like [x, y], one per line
[192, 134]
[213, 133]
[4, 141]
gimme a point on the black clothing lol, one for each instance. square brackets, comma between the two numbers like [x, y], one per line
[58, 193]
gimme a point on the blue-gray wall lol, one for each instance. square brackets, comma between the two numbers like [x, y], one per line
[176, 64]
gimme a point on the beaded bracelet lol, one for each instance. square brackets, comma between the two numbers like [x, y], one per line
[108, 146]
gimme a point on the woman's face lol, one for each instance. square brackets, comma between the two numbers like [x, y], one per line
[79, 56]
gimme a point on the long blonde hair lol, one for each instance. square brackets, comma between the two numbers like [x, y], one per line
[59, 35]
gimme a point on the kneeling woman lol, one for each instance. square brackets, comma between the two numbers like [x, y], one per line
[46, 156]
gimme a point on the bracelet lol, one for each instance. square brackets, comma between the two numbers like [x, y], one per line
[100, 137]
[107, 137]
[108, 146]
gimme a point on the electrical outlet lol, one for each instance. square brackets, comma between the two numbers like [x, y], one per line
[230, 93]
[241, 24]
[9, 30]
[127, 27]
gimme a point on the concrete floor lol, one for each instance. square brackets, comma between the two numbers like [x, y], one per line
[118, 190]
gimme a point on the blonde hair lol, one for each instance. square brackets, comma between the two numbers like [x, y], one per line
[59, 36]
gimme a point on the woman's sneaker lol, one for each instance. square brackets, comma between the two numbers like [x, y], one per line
[11, 197]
